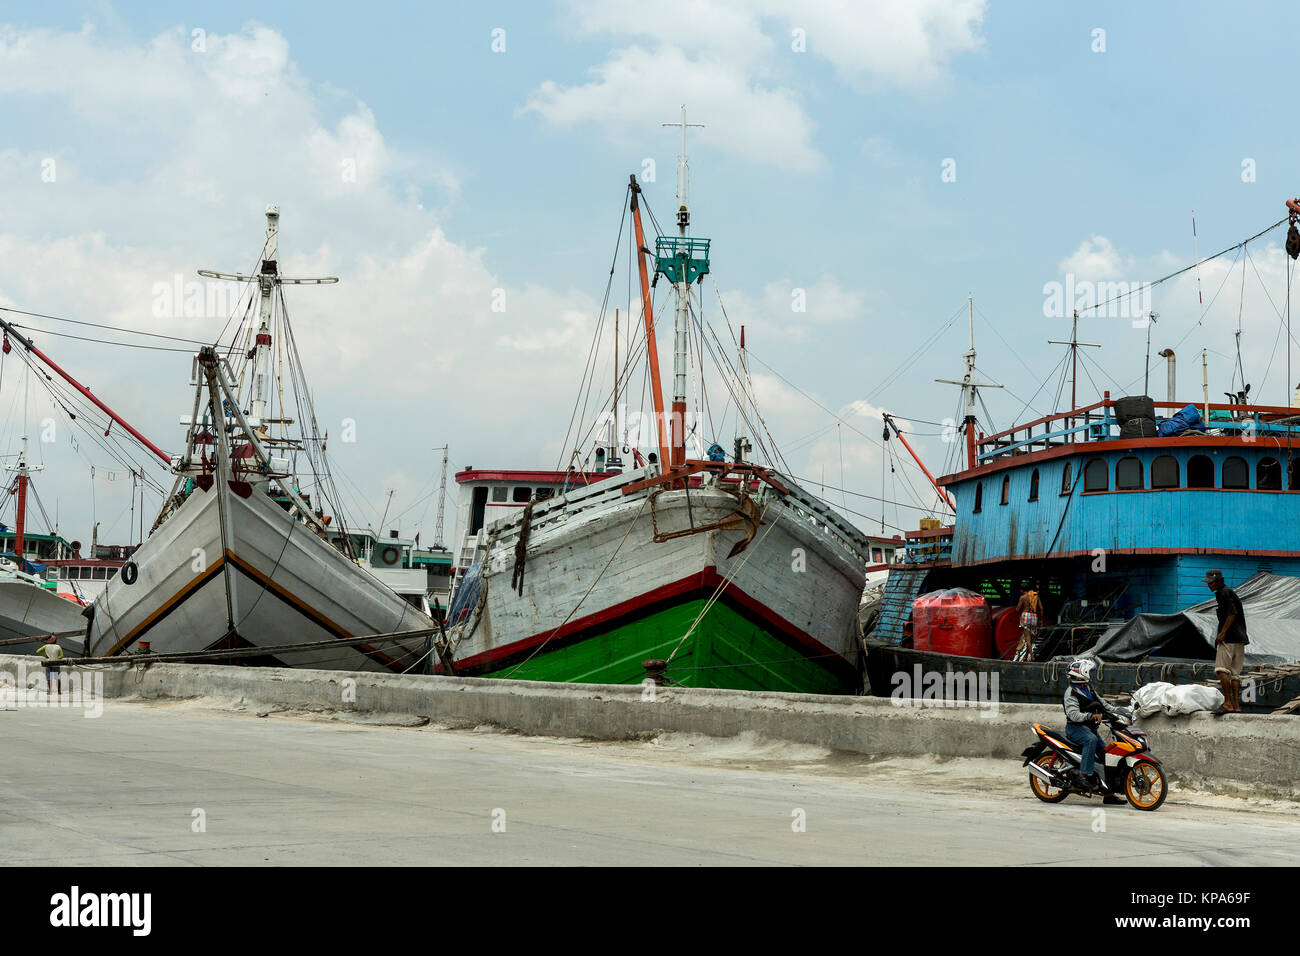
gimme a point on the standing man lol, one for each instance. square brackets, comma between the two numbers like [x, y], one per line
[1230, 644]
[1029, 609]
[51, 651]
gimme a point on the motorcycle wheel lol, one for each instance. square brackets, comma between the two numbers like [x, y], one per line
[1145, 787]
[1042, 789]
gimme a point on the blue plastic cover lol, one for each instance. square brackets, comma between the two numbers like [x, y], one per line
[467, 593]
[1183, 419]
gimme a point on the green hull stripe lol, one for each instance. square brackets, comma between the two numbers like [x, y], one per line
[727, 650]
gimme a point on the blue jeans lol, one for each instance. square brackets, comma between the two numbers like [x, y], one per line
[1088, 742]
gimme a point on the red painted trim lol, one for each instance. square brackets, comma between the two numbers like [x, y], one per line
[533, 477]
[706, 579]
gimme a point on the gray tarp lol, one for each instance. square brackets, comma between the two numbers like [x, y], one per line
[1272, 606]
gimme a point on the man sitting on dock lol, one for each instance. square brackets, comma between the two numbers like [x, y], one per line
[1230, 644]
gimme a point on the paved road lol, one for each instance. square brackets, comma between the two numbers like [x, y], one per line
[289, 789]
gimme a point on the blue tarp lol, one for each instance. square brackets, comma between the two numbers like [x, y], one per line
[28, 566]
[466, 596]
[1183, 419]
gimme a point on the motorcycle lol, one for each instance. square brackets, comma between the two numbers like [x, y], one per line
[1124, 766]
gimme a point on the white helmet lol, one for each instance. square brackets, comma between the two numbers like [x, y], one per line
[1080, 670]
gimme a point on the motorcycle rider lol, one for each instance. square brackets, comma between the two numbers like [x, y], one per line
[1084, 710]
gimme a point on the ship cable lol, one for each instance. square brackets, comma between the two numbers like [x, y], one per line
[1172, 275]
[96, 325]
[726, 579]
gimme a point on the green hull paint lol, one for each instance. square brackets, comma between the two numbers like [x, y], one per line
[726, 650]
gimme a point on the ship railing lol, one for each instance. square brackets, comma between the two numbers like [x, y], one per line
[1097, 422]
[926, 547]
[800, 503]
[576, 499]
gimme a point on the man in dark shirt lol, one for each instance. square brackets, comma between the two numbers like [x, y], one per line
[1230, 643]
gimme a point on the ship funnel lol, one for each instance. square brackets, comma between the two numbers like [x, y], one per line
[1168, 355]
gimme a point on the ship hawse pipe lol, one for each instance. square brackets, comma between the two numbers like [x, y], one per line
[1168, 355]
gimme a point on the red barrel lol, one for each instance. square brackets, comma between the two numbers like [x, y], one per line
[953, 621]
[1006, 631]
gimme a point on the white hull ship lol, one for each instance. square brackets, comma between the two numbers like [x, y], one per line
[29, 609]
[739, 588]
[239, 557]
[705, 573]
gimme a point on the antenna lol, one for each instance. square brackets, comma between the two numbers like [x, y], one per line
[442, 501]
[681, 318]
[1074, 344]
[1146, 379]
[969, 387]
[683, 172]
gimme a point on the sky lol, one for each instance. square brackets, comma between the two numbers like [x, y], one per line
[862, 168]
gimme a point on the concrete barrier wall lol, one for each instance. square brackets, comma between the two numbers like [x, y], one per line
[1251, 754]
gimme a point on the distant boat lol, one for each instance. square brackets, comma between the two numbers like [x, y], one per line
[239, 555]
[30, 605]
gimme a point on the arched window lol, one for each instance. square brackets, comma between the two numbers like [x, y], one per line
[1006, 488]
[1067, 475]
[1096, 477]
[1128, 474]
[1236, 474]
[1033, 486]
[979, 497]
[1293, 474]
[1164, 472]
[1268, 475]
[1200, 472]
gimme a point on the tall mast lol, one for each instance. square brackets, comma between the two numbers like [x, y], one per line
[1074, 344]
[969, 389]
[442, 502]
[681, 319]
[268, 278]
[742, 440]
[269, 272]
[614, 437]
[23, 471]
[647, 311]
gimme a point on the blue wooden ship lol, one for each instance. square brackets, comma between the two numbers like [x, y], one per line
[1113, 509]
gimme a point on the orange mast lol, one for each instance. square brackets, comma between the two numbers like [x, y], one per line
[652, 351]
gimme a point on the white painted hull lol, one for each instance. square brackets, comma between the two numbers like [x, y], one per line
[792, 568]
[276, 582]
[26, 609]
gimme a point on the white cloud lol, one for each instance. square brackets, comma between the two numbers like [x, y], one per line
[734, 64]
[164, 163]
[638, 89]
[1097, 258]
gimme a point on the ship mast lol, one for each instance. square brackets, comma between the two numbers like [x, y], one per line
[647, 313]
[268, 278]
[23, 470]
[682, 290]
[969, 387]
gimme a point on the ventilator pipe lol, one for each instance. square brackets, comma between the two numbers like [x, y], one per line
[1168, 355]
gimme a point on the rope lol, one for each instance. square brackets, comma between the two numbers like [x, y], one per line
[726, 579]
[631, 524]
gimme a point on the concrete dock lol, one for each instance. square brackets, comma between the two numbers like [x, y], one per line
[207, 783]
